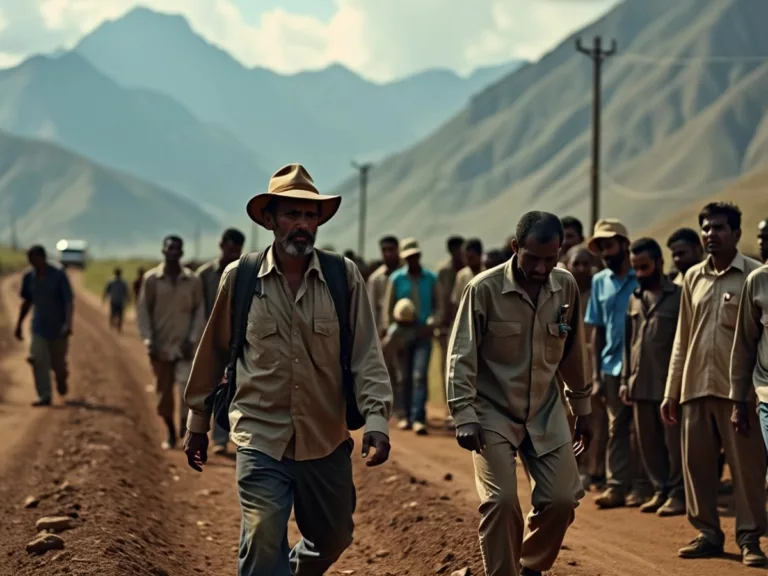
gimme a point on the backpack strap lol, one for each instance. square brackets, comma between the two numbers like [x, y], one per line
[247, 283]
[335, 272]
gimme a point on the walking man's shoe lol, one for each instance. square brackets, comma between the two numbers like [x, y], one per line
[404, 424]
[654, 504]
[529, 572]
[420, 428]
[753, 556]
[672, 507]
[41, 403]
[635, 500]
[611, 498]
[700, 548]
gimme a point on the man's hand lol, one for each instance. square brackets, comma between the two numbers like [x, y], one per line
[18, 334]
[471, 437]
[582, 434]
[740, 418]
[624, 395]
[669, 411]
[380, 442]
[187, 350]
[598, 384]
[151, 349]
[196, 449]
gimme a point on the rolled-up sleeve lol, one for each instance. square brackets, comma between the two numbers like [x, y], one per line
[749, 329]
[373, 389]
[572, 369]
[143, 315]
[680, 348]
[211, 357]
[461, 369]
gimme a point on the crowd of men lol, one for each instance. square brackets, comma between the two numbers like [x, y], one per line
[579, 356]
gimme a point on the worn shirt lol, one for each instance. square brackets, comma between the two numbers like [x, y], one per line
[462, 280]
[377, 291]
[170, 311]
[446, 279]
[210, 277]
[289, 400]
[423, 290]
[505, 352]
[117, 291]
[709, 305]
[607, 309]
[749, 356]
[651, 325]
[49, 295]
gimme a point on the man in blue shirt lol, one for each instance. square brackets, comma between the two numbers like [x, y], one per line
[46, 288]
[607, 312]
[420, 286]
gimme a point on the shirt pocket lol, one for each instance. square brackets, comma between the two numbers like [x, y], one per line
[325, 342]
[728, 313]
[261, 334]
[502, 341]
[555, 344]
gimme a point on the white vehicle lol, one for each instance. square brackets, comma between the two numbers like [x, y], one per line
[72, 253]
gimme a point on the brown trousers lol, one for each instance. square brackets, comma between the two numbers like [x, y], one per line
[706, 427]
[624, 467]
[46, 356]
[556, 491]
[169, 377]
[660, 448]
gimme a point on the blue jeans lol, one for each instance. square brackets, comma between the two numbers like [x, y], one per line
[414, 370]
[762, 412]
[322, 494]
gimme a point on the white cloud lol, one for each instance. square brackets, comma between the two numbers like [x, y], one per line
[381, 39]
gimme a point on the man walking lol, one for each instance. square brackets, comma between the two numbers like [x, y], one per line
[420, 286]
[473, 253]
[687, 251]
[46, 288]
[607, 312]
[230, 246]
[651, 323]
[116, 291]
[574, 235]
[517, 326]
[378, 280]
[288, 412]
[170, 317]
[698, 393]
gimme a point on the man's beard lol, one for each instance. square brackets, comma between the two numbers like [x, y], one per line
[292, 248]
[614, 261]
[648, 282]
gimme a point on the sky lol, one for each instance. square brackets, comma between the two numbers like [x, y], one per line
[381, 40]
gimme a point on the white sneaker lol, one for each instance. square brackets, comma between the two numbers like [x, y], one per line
[420, 428]
[404, 424]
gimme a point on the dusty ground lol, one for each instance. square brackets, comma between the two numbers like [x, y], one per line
[140, 511]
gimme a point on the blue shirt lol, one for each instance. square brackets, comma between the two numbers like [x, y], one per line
[607, 308]
[423, 298]
[49, 296]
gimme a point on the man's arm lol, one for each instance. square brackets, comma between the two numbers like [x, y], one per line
[749, 331]
[594, 317]
[461, 368]
[68, 300]
[373, 389]
[680, 347]
[389, 308]
[571, 368]
[26, 303]
[438, 309]
[211, 358]
[198, 315]
[626, 364]
[374, 285]
[143, 314]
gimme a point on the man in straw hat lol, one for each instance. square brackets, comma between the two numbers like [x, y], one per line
[288, 413]
[517, 326]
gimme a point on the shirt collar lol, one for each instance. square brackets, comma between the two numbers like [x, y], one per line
[183, 275]
[667, 286]
[738, 262]
[269, 264]
[509, 284]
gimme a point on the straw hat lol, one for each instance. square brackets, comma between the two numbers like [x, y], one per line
[409, 247]
[293, 182]
[607, 228]
[405, 311]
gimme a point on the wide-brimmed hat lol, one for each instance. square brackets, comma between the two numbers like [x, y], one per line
[294, 182]
[409, 247]
[607, 228]
[405, 311]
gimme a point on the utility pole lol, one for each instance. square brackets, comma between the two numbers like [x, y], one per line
[598, 55]
[363, 169]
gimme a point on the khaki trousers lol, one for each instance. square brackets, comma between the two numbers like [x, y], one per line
[556, 491]
[46, 356]
[706, 427]
[624, 467]
[660, 447]
[169, 377]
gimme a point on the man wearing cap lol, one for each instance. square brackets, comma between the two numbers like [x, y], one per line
[421, 287]
[288, 413]
[607, 312]
[517, 327]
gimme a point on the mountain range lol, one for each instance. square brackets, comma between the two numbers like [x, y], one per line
[684, 113]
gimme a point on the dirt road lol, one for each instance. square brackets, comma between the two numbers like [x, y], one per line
[138, 510]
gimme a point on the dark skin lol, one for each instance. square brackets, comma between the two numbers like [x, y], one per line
[762, 239]
[570, 239]
[40, 265]
[580, 265]
[474, 260]
[390, 255]
[297, 220]
[535, 261]
[173, 251]
[229, 252]
[685, 255]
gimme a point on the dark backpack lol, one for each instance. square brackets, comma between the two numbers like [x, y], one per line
[248, 284]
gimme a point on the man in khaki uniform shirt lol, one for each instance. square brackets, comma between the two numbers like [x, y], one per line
[170, 318]
[288, 413]
[698, 391]
[651, 321]
[473, 252]
[231, 247]
[517, 327]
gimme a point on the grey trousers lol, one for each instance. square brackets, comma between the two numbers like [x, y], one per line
[660, 449]
[322, 494]
[623, 465]
[46, 356]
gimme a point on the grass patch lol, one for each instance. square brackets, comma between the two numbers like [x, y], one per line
[12, 260]
[98, 272]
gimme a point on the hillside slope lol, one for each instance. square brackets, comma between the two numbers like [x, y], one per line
[50, 193]
[675, 128]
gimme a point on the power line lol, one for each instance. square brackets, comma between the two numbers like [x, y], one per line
[686, 61]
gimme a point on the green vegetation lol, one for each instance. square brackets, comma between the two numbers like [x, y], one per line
[11, 260]
[98, 272]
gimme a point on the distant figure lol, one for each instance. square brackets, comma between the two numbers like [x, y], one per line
[170, 314]
[46, 288]
[574, 235]
[494, 258]
[231, 247]
[137, 284]
[473, 254]
[117, 292]
[762, 240]
[687, 251]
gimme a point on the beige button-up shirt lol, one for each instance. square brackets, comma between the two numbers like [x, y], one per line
[462, 279]
[749, 357]
[700, 364]
[446, 279]
[377, 290]
[289, 400]
[170, 311]
[505, 352]
[650, 336]
[210, 277]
